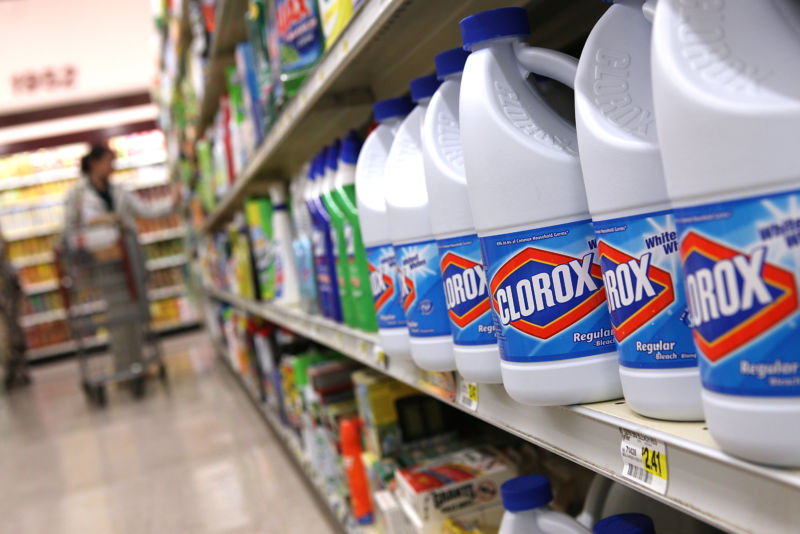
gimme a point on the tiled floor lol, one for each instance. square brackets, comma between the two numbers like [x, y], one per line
[195, 458]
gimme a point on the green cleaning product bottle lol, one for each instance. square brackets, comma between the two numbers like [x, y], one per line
[337, 233]
[344, 192]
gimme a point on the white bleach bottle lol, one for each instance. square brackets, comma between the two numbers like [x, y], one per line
[287, 288]
[374, 223]
[466, 290]
[633, 220]
[726, 90]
[526, 500]
[417, 253]
[530, 211]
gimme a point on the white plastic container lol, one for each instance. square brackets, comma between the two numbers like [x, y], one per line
[477, 357]
[417, 253]
[530, 211]
[726, 87]
[374, 223]
[525, 499]
[287, 290]
[633, 220]
[303, 253]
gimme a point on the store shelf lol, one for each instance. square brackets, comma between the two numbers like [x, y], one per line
[48, 316]
[230, 32]
[31, 203]
[66, 347]
[704, 482]
[33, 259]
[387, 44]
[40, 287]
[32, 231]
[145, 159]
[165, 327]
[167, 261]
[162, 235]
[291, 443]
[166, 292]
[43, 177]
[89, 308]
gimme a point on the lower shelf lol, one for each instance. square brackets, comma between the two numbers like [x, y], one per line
[700, 479]
[293, 446]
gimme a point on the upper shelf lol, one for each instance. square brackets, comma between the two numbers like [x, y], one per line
[386, 45]
[732, 494]
[230, 32]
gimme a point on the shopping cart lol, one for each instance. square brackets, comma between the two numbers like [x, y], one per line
[103, 283]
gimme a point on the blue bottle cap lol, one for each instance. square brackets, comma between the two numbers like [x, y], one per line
[424, 87]
[450, 62]
[526, 493]
[392, 107]
[332, 159]
[351, 146]
[494, 23]
[625, 524]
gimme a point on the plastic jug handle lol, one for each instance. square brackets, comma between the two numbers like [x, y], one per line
[556, 65]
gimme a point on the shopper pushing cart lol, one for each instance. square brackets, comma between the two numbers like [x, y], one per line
[105, 266]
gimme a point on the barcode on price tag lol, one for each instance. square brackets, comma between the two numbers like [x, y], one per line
[644, 460]
[468, 395]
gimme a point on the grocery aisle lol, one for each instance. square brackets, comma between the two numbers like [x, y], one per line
[196, 458]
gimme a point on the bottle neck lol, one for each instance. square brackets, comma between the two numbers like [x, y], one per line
[498, 44]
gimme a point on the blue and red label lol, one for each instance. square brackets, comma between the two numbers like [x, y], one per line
[641, 273]
[466, 291]
[547, 293]
[383, 277]
[421, 289]
[740, 264]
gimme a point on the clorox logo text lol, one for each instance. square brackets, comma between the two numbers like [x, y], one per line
[540, 293]
[382, 285]
[636, 290]
[465, 289]
[733, 296]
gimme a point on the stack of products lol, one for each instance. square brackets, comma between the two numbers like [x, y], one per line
[389, 452]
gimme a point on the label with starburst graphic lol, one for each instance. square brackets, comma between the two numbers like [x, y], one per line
[740, 263]
[421, 289]
[641, 272]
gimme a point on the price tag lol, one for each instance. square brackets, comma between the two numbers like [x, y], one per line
[380, 357]
[362, 347]
[468, 395]
[644, 460]
[345, 46]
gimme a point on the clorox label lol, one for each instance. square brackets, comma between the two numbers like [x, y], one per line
[740, 262]
[641, 272]
[547, 293]
[383, 278]
[422, 293]
[466, 291]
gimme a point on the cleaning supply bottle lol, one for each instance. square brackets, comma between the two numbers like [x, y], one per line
[325, 268]
[417, 254]
[303, 253]
[477, 357]
[525, 500]
[350, 438]
[530, 211]
[287, 291]
[357, 272]
[374, 224]
[338, 239]
[726, 91]
[625, 524]
[632, 216]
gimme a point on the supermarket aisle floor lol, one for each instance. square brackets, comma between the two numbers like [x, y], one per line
[195, 459]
